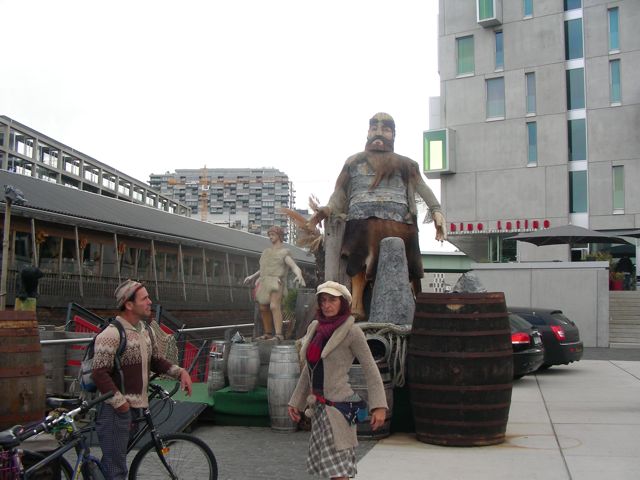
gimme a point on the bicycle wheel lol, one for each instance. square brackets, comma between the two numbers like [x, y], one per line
[188, 456]
[47, 471]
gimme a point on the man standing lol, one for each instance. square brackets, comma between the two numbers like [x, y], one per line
[272, 282]
[130, 384]
[375, 193]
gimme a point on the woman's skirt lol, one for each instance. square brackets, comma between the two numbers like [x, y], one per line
[323, 457]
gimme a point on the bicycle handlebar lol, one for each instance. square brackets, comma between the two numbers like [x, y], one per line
[49, 422]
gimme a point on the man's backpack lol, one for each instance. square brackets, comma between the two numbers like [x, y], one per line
[85, 377]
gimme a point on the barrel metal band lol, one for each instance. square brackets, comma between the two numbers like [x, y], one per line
[462, 388]
[26, 348]
[23, 371]
[461, 316]
[505, 353]
[476, 407]
[458, 423]
[20, 332]
[474, 333]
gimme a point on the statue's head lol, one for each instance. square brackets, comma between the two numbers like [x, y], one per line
[382, 133]
[277, 231]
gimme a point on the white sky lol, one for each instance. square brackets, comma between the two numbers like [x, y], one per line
[149, 86]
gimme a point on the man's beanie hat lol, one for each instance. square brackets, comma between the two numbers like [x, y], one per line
[125, 290]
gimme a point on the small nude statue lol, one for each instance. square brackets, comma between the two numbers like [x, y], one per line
[275, 263]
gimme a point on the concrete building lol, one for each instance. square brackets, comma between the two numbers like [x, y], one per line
[537, 123]
[244, 198]
[28, 152]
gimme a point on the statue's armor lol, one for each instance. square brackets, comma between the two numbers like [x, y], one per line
[387, 201]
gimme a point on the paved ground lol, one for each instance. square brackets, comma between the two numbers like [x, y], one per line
[575, 422]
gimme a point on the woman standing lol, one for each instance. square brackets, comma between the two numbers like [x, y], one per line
[329, 348]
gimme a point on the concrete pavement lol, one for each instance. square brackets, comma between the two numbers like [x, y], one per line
[577, 422]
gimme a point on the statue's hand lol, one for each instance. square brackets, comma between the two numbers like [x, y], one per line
[247, 280]
[300, 281]
[441, 226]
[316, 218]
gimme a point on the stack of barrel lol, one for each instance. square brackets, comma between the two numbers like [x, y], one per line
[460, 368]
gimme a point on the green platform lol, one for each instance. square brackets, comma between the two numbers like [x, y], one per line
[226, 407]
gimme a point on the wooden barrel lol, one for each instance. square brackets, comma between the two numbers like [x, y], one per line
[460, 368]
[243, 367]
[284, 370]
[359, 385]
[22, 383]
[53, 359]
[215, 376]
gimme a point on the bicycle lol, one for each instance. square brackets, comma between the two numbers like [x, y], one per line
[13, 458]
[173, 455]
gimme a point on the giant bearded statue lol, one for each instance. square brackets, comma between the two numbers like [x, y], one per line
[375, 193]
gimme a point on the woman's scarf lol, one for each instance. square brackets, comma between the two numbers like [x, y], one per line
[326, 327]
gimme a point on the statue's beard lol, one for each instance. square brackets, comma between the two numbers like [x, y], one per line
[387, 145]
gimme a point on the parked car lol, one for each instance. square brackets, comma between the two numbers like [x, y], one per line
[528, 350]
[560, 336]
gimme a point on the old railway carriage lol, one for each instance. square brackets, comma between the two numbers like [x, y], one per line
[86, 243]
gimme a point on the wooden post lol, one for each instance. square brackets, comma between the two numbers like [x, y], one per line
[5, 254]
[115, 243]
[204, 273]
[155, 270]
[34, 246]
[229, 277]
[181, 270]
[79, 262]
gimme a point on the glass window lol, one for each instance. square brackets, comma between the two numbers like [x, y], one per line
[577, 139]
[614, 39]
[575, 88]
[531, 92]
[495, 98]
[618, 187]
[527, 8]
[573, 39]
[572, 4]
[614, 81]
[578, 192]
[465, 55]
[532, 143]
[485, 9]
[499, 51]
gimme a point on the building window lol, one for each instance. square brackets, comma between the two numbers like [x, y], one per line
[485, 10]
[618, 189]
[502, 250]
[577, 139]
[573, 39]
[495, 98]
[465, 55]
[527, 8]
[575, 88]
[531, 92]
[578, 192]
[614, 82]
[572, 4]
[614, 39]
[532, 144]
[499, 51]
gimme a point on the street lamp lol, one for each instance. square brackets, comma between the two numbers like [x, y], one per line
[11, 195]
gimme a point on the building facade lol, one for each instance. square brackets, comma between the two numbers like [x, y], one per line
[28, 152]
[537, 123]
[247, 199]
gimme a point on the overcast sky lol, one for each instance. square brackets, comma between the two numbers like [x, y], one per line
[152, 86]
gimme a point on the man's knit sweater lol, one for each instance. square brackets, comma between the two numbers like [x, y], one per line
[138, 358]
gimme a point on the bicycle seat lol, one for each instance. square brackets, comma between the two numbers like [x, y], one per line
[60, 402]
[8, 438]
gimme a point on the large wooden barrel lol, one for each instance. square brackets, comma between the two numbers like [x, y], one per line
[358, 383]
[243, 366]
[460, 368]
[22, 383]
[284, 370]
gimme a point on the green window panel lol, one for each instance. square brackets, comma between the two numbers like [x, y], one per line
[495, 98]
[499, 51]
[527, 8]
[572, 4]
[614, 81]
[532, 143]
[577, 139]
[485, 9]
[614, 29]
[618, 187]
[573, 39]
[531, 92]
[465, 54]
[578, 192]
[575, 88]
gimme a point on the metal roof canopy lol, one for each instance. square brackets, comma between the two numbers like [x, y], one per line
[56, 203]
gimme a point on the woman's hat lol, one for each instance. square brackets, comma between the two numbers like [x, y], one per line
[334, 288]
